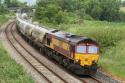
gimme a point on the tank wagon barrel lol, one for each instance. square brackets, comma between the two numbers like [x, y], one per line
[29, 29]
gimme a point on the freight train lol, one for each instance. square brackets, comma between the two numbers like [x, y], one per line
[77, 53]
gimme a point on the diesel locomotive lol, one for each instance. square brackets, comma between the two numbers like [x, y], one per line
[77, 53]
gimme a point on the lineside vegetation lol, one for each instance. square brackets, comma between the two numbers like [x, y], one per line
[3, 19]
[10, 71]
[60, 11]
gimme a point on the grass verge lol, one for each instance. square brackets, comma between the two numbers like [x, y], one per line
[3, 19]
[10, 71]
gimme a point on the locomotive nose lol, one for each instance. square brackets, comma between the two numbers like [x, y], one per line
[87, 59]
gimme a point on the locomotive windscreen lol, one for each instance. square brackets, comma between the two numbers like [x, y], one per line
[88, 49]
[92, 49]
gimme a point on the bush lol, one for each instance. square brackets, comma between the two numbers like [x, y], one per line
[3, 10]
[88, 17]
[121, 16]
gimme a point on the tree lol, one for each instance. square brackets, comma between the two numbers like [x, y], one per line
[14, 3]
[110, 9]
[7, 2]
[49, 11]
[2, 8]
[103, 10]
[97, 9]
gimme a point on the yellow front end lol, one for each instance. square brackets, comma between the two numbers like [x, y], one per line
[86, 59]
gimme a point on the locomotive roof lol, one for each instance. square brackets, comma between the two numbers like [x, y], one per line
[74, 39]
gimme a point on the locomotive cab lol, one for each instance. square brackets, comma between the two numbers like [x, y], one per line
[86, 54]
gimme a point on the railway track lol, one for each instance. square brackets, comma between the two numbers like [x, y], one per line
[46, 72]
[90, 79]
[32, 61]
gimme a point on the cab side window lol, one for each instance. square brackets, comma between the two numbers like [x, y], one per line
[48, 41]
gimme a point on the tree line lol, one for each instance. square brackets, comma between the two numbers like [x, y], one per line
[5, 4]
[62, 11]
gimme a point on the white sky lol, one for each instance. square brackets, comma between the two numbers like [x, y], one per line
[30, 2]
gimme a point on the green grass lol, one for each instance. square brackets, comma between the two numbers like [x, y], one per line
[10, 71]
[3, 19]
[111, 37]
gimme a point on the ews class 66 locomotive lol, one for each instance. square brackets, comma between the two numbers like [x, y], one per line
[77, 53]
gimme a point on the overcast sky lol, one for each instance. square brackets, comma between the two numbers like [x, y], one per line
[30, 2]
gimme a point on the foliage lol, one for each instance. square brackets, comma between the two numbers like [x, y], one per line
[3, 10]
[10, 4]
[50, 13]
[115, 59]
[84, 9]
[10, 71]
[5, 17]
[103, 10]
[63, 7]
[2, 19]
[14, 3]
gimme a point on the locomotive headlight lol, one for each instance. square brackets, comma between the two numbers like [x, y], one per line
[77, 61]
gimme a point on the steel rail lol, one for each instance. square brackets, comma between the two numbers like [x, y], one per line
[6, 32]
